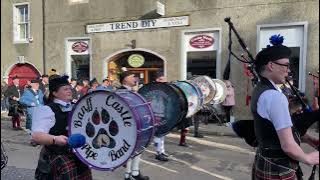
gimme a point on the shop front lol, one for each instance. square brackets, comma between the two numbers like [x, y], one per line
[143, 63]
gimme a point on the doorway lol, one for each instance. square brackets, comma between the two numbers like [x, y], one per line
[26, 72]
[144, 68]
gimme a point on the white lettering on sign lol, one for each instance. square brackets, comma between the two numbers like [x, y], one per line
[140, 24]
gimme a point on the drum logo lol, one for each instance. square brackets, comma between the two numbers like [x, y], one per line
[100, 119]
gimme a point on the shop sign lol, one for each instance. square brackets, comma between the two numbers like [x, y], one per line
[139, 24]
[136, 60]
[80, 46]
[201, 41]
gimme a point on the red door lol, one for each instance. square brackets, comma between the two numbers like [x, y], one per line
[25, 72]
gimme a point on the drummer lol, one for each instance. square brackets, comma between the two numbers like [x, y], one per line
[49, 128]
[128, 81]
[159, 141]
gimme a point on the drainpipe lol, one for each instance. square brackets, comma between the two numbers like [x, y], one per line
[44, 37]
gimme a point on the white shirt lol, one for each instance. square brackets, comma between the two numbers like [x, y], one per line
[43, 118]
[273, 105]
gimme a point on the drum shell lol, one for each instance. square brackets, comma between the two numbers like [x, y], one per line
[168, 103]
[207, 87]
[193, 94]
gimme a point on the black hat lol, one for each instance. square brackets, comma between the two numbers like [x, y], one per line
[124, 74]
[94, 80]
[45, 75]
[15, 77]
[36, 80]
[272, 53]
[57, 81]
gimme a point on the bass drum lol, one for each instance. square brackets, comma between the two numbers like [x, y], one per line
[169, 105]
[194, 96]
[207, 87]
[221, 91]
[117, 125]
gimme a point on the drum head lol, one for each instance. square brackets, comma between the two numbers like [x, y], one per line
[108, 124]
[193, 94]
[221, 91]
[207, 87]
[168, 103]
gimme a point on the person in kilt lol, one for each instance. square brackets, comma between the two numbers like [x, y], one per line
[278, 152]
[159, 141]
[128, 81]
[49, 128]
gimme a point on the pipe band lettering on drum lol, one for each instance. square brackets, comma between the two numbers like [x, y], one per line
[110, 124]
[117, 106]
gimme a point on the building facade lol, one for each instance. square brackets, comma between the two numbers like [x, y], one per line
[96, 38]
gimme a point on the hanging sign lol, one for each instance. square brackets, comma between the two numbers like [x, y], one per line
[79, 46]
[201, 41]
[136, 60]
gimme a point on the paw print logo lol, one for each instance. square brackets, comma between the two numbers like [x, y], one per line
[102, 137]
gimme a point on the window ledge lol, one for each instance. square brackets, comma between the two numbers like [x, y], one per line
[21, 42]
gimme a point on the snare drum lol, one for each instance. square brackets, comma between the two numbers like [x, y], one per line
[117, 125]
[194, 96]
[207, 87]
[168, 103]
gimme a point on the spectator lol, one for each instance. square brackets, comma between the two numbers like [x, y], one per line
[14, 93]
[229, 102]
[31, 98]
[93, 85]
[86, 86]
[106, 85]
[77, 93]
[44, 87]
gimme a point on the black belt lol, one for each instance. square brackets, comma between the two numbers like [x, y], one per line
[272, 153]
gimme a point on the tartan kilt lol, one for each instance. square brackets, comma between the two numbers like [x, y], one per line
[61, 166]
[274, 168]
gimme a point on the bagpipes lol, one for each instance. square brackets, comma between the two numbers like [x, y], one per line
[245, 128]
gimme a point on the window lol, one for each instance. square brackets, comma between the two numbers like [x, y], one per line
[72, 2]
[201, 53]
[21, 23]
[295, 37]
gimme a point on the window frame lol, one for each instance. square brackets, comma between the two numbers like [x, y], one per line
[303, 49]
[15, 32]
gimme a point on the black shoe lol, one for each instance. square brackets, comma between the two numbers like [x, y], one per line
[198, 135]
[165, 155]
[183, 144]
[128, 178]
[140, 177]
[161, 157]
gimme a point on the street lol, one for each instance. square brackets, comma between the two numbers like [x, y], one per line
[213, 157]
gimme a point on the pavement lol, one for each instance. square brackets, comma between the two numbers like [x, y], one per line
[219, 155]
[212, 129]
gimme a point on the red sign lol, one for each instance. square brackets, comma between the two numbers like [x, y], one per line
[80, 46]
[201, 41]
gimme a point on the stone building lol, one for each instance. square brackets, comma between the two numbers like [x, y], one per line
[95, 38]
